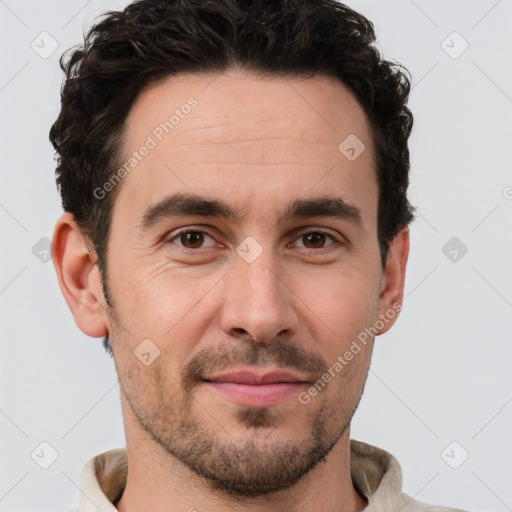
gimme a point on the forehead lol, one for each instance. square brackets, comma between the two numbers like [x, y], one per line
[318, 109]
[251, 138]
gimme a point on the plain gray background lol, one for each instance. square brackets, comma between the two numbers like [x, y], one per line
[440, 376]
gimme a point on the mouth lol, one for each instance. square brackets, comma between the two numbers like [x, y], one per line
[260, 387]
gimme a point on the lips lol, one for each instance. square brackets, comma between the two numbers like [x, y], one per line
[252, 377]
[256, 388]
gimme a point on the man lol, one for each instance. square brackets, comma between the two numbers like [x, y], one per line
[234, 177]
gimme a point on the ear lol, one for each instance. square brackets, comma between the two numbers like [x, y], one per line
[79, 278]
[393, 279]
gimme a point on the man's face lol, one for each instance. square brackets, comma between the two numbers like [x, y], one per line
[238, 298]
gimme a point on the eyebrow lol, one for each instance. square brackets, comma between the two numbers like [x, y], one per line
[183, 204]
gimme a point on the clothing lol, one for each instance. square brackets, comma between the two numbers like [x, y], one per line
[375, 474]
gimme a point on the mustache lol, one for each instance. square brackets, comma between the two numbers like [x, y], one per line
[254, 354]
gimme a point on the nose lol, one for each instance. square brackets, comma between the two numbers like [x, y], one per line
[258, 302]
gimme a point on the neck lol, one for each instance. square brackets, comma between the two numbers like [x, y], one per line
[159, 482]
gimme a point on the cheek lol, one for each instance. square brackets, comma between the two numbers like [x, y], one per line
[343, 307]
[163, 302]
[344, 299]
[349, 309]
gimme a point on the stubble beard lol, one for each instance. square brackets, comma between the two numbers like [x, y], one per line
[251, 468]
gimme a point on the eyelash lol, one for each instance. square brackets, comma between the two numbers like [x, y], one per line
[315, 231]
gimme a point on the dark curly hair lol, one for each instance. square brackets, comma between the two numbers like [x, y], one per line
[128, 50]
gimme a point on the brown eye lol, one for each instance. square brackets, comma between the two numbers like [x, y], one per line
[194, 238]
[315, 239]
[190, 239]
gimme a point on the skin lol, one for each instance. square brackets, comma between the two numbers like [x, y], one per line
[256, 144]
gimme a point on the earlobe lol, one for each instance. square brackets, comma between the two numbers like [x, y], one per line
[79, 277]
[393, 280]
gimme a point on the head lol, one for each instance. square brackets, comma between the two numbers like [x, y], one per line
[276, 134]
